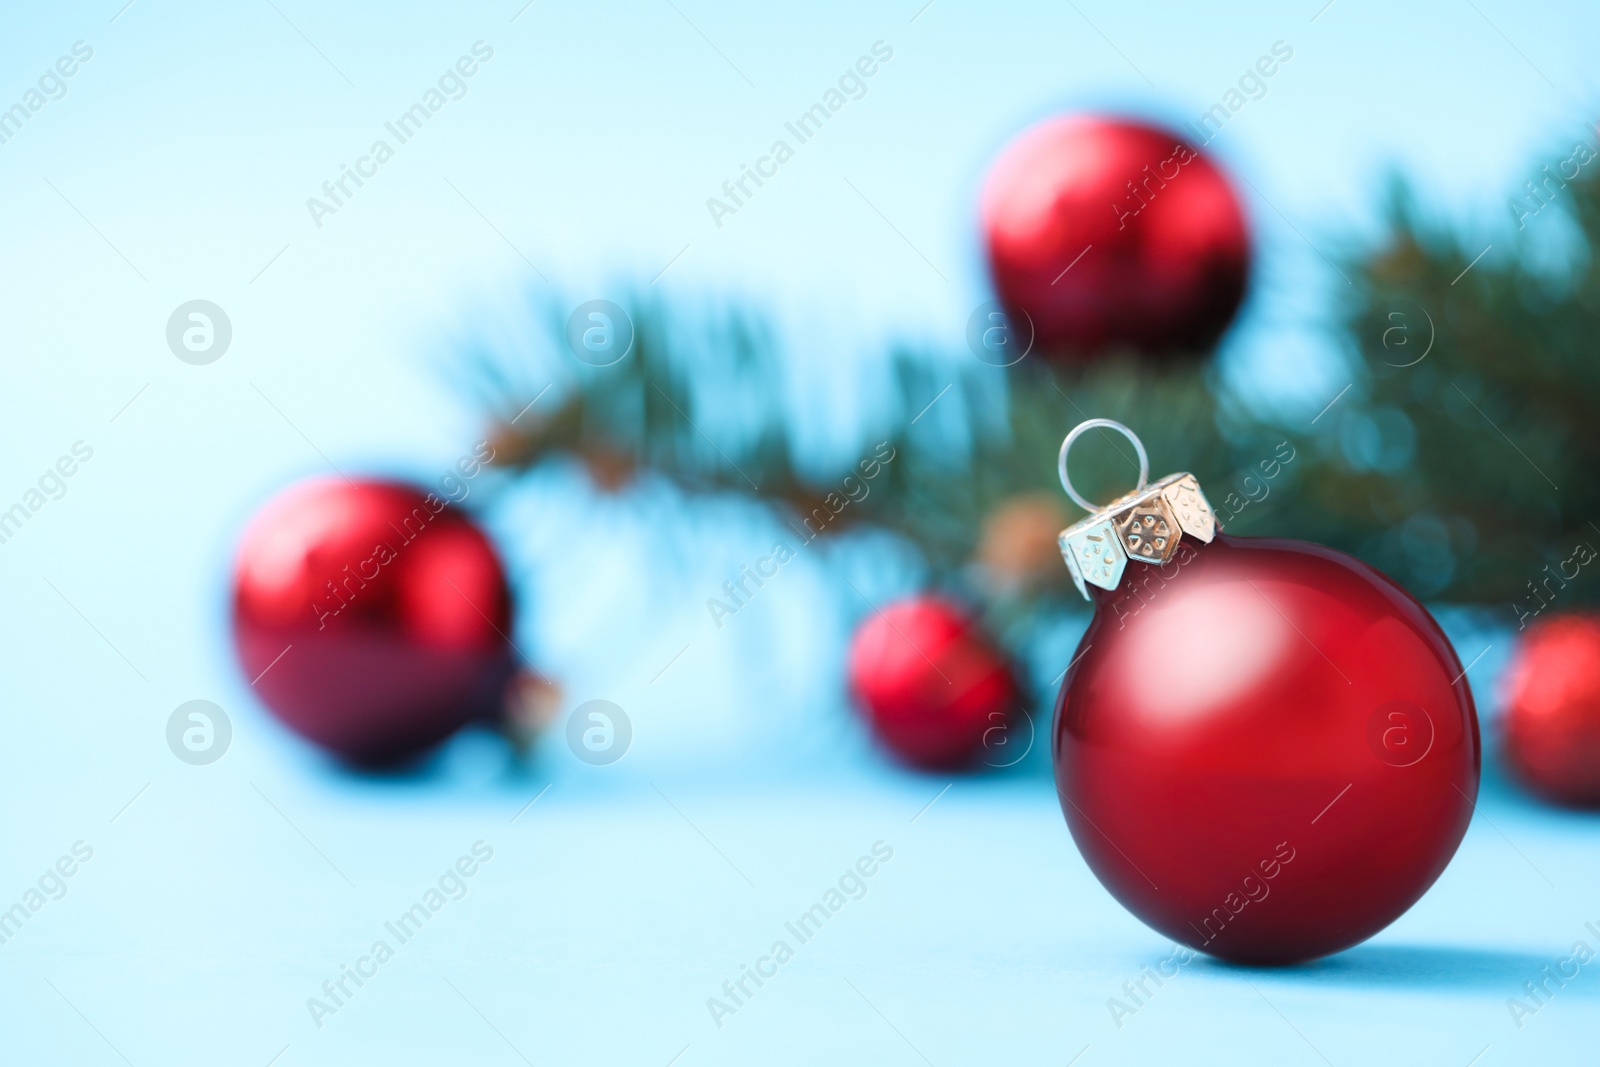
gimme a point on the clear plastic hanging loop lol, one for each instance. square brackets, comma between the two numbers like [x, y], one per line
[1078, 431]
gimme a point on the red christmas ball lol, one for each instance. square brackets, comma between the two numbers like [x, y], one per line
[934, 690]
[1266, 749]
[371, 617]
[1552, 709]
[1107, 232]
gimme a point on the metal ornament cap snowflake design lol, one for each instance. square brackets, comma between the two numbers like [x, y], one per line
[1145, 524]
[1148, 529]
[1093, 553]
[1189, 504]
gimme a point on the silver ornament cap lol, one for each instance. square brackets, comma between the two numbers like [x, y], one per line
[1144, 525]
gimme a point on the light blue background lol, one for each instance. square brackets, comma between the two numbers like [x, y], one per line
[220, 898]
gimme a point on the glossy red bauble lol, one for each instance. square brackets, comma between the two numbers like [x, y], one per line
[1107, 233]
[1267, 750]
[934, 690]
[371, 618]
[1552, 709]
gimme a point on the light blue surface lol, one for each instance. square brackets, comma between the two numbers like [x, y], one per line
[220, 898]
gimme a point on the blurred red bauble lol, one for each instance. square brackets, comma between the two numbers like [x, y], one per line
[1110, 233]
[1552, 709]
[1266, 749]
[371, 618]
[934, 690]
